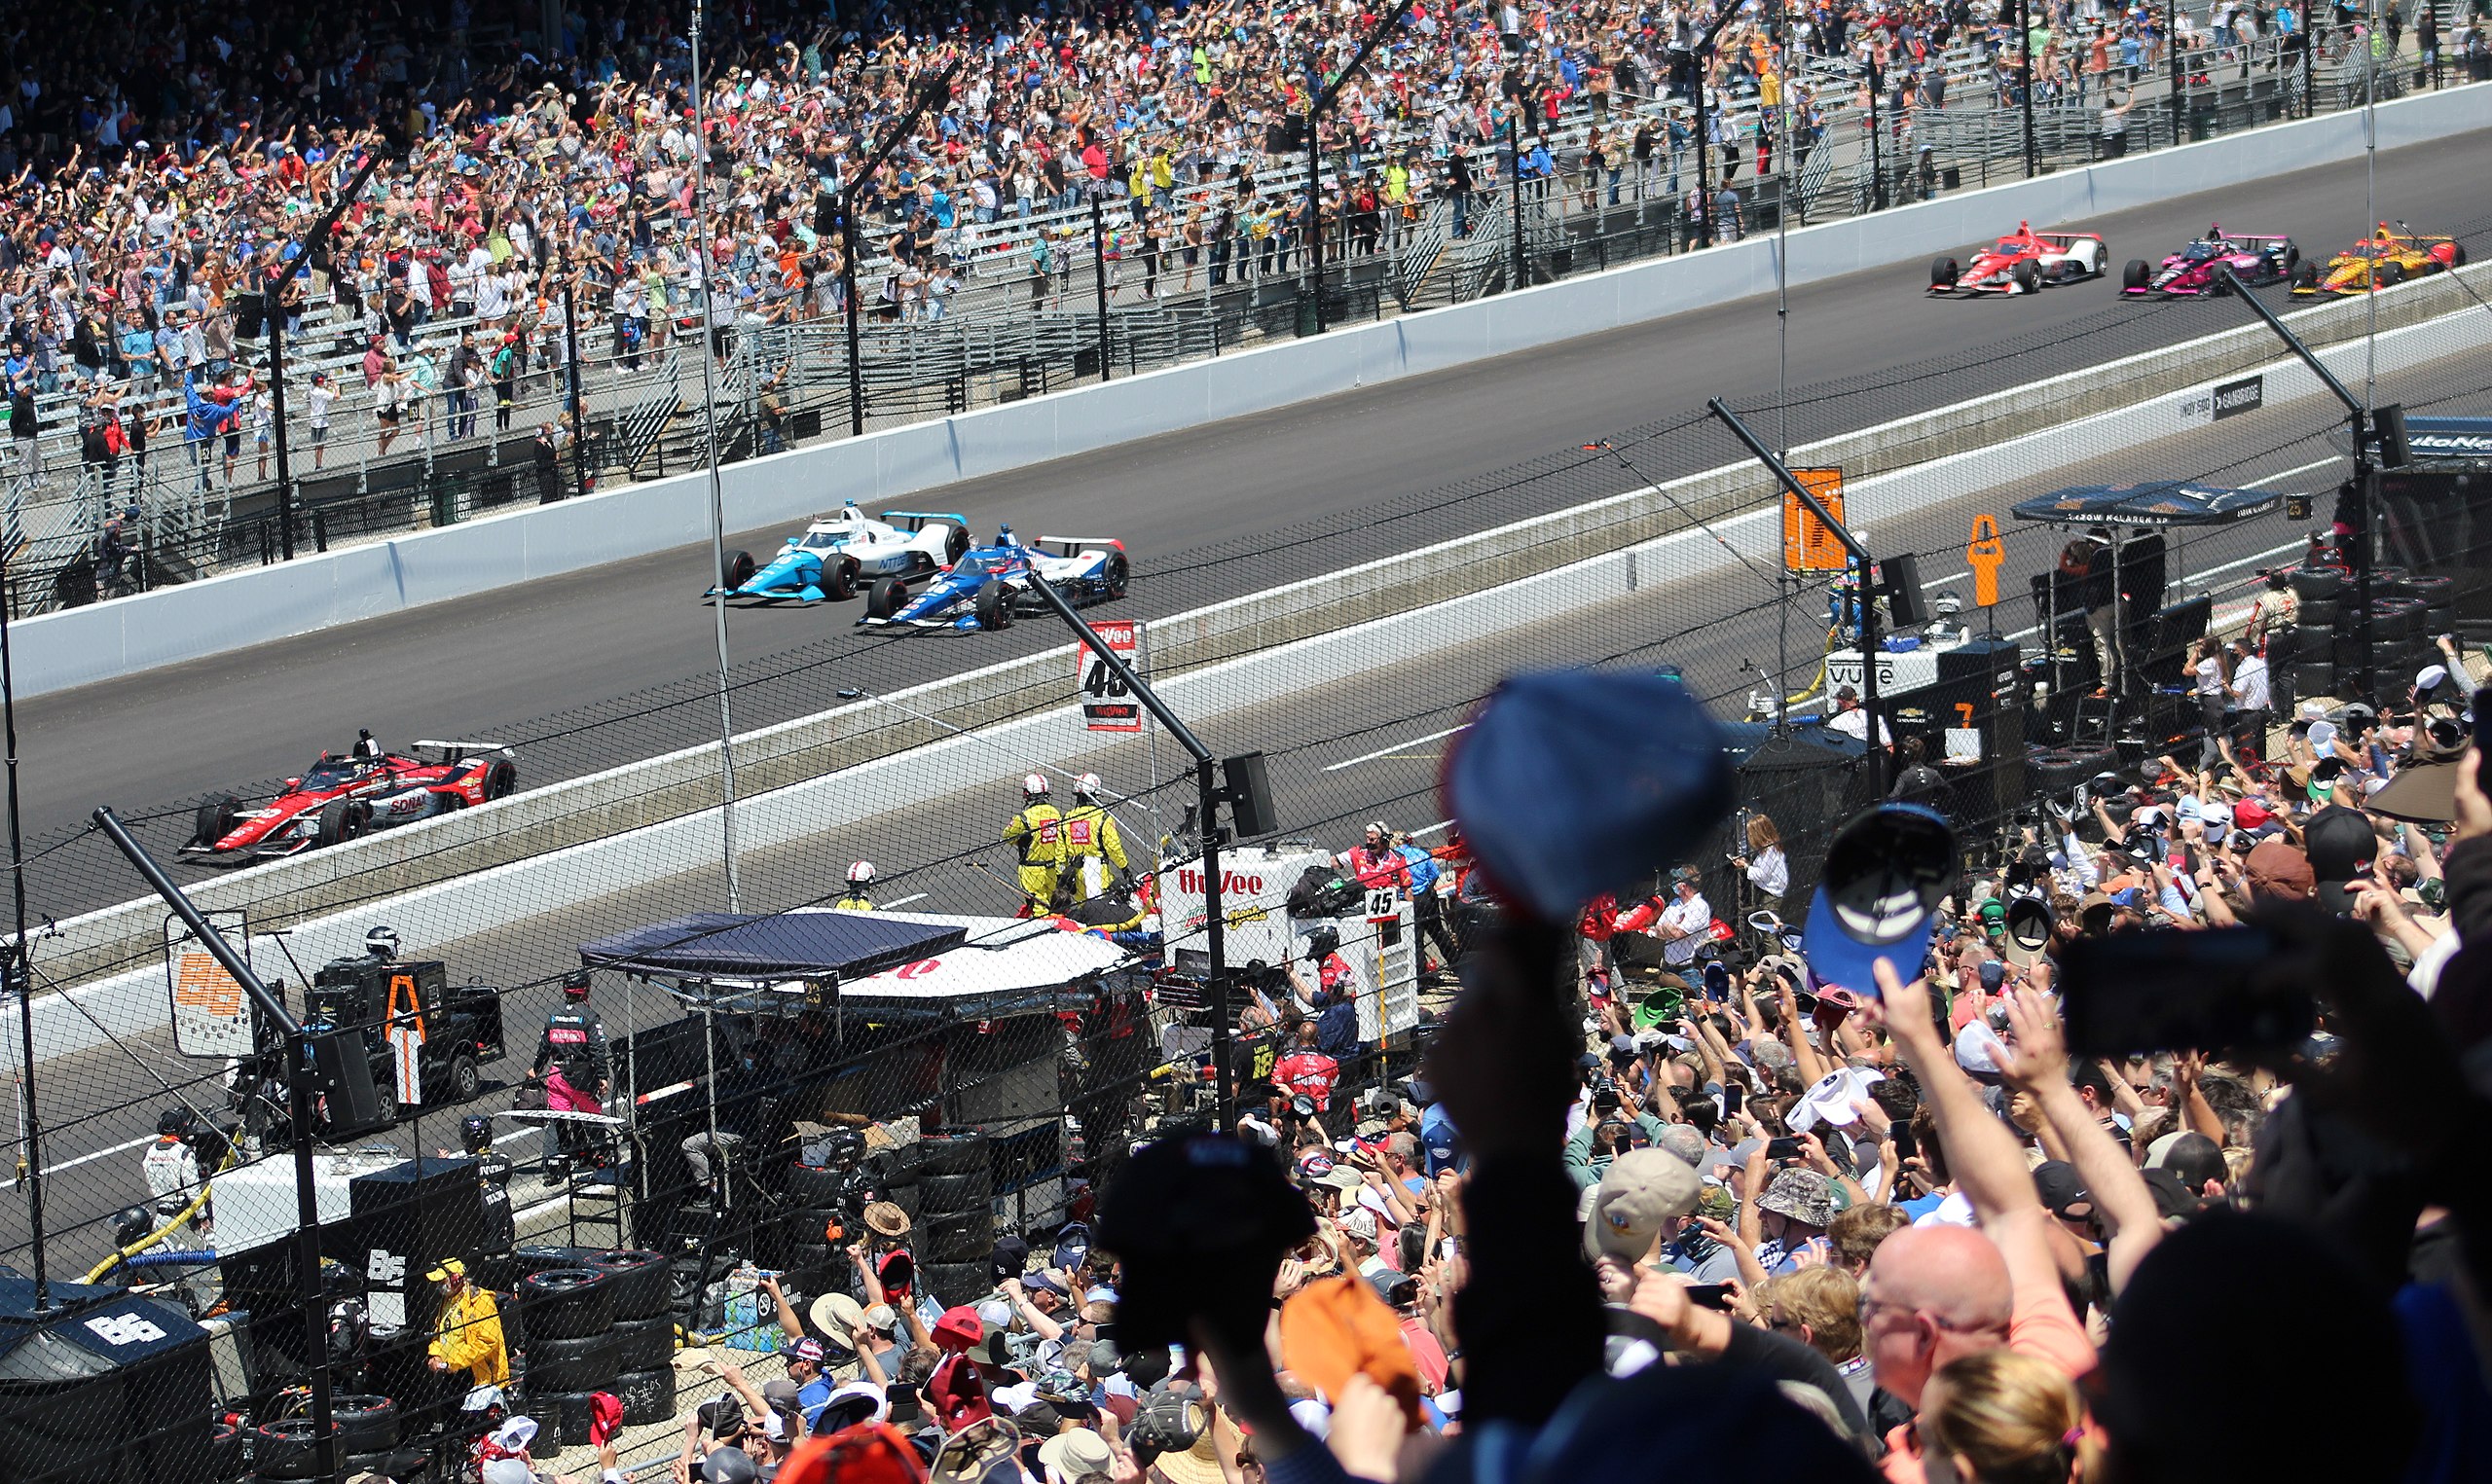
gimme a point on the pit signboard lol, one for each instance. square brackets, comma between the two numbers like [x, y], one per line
[1107, 703]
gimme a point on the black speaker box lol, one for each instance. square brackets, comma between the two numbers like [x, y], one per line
[407, 1220]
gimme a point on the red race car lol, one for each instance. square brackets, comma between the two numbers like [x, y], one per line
[339, 798]
[2021, 263]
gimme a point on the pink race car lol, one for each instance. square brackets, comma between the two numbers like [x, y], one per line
[2256, 259]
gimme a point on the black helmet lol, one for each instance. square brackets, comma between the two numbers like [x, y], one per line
[133, 1225]
[176, 1121]
[476, 1133]
[1323, 943]
[576, 985]
[382, 942]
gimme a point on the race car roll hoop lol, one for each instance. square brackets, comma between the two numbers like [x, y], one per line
[299, 1058]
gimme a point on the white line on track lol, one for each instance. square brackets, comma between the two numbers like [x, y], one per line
[87, 1159]
[917, 896]
[1369, 758]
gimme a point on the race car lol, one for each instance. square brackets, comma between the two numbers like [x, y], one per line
[2021, 263]
[2384, 259]
[339, 798]
[2256, 259]
[838, 554]
[989, 586]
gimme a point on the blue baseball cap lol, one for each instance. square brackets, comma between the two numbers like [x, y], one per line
[1886, 873]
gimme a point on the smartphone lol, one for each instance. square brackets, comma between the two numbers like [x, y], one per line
[1709, 1295]
[1783, 1149]
[1906, 1143]
[2482, 754]
[2218, 990]
[1733, 1094]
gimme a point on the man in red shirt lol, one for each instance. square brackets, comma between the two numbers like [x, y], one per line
[1307, 1072]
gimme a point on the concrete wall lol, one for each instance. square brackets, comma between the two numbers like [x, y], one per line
[80, 646]
[654, 820]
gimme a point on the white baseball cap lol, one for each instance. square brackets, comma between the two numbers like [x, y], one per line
[1829, 1099]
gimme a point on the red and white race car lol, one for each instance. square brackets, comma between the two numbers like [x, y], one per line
[2023, 261]
[339, 798]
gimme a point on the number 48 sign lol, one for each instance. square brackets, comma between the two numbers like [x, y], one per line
[1107, 703]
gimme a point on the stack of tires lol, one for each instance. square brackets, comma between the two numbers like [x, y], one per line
[644, 1326]
[955, 1223]
[572, 1349]
[2320, 594]
[812, 1260]
[226, 1463]
[366, 1428]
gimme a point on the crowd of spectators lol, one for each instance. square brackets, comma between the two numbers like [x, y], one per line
[158, 162]
[1699, 1214]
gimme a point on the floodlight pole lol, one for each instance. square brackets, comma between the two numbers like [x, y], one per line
[273, 294]
[298, 1099]
[1316, 109]
[926, 95]
[1704, 47]
[1208, 794]
[1792, 485]
[2365, 466]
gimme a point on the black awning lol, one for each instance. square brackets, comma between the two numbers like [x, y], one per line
[2181, 504]
[800, 944]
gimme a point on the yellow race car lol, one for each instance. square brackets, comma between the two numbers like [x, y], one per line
[2383, 260]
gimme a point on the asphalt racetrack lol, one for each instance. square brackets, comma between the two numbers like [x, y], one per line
[607, 666]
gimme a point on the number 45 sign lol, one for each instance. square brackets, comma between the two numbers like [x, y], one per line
[1107, 703]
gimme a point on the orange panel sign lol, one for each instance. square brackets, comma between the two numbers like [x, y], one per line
[1808, 545]
[1984, 556]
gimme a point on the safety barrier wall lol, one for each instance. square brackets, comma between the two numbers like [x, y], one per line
[482, 869]
[83, 645]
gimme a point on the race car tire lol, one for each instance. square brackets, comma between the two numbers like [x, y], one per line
[2314, 678]
[910, 1198]
[1943, 274]
[958, 1282]
[464, 1079]
[970, 1191]
[647, 1395]
[2457, 255]
[1117, 575]
[583, 1364]
[740, 569]
[287, 1449]
[225, 1453]
[384, 1098]
[2292, 260]
[2391, 275]
[340, 820]
[502, 780]
[994, 607]
[960, 1236]
[2310, 582]
[574, 1412]
[956, 544]
[646, 1344]
[952, 1154]
[2136, 275]
[2434, 592]
[638, 1281]
[366, 1424]
[2317, 613]
[886, 596]
[2306, 275]
[216, 818]
[839, 580]
[566, 1303]
[816, 1185]
[2028, 275]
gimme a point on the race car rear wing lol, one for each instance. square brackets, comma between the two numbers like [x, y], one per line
[468, 749]
[1072, 545]
[917, 519]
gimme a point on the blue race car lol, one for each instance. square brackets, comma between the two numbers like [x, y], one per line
[989, 586]
[839, 554]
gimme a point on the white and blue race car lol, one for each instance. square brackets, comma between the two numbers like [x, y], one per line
[838, 554]
[987, 587]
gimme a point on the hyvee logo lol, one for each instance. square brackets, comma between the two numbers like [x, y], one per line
[1230, 881]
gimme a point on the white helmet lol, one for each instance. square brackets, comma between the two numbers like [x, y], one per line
[861, 873]
[1087, 786]
[1033, 784]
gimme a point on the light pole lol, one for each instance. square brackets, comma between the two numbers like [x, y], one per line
[571, 344]
[2172, 50]
[1097, 192]
[1316, 108]
[272, 299]
[1877, 146]
[1514, 198]
[933, 93]
[1696, 54]
[2024, 81]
